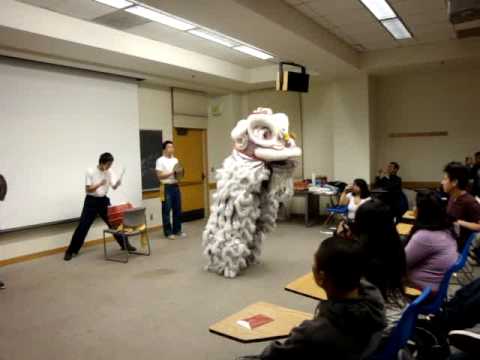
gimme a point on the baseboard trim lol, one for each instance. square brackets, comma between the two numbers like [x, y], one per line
[28, 257]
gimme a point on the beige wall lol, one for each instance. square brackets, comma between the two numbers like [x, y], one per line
[424, 102]
[351, 130]
[336, 129]
[155, 110]
[219, 127]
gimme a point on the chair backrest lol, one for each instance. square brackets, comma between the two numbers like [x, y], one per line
[462, 260]
[402, 332]
[134, 217]
[435, 305]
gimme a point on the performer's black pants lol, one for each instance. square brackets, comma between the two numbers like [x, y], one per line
[92, 207]
[172, 203]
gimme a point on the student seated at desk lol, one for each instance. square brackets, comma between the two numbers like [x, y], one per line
[431, 248]
[374, 228]
[346, 326]
[354, 196]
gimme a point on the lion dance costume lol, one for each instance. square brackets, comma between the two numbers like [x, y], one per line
[253, 181]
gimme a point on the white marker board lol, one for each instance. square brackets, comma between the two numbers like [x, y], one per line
[54, 124]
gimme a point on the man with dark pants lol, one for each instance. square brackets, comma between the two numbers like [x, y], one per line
[97, 183]
[391, 183]
[171, 201]
[3, 193]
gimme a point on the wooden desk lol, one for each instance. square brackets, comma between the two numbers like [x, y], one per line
[311, 208]
[312, 205]
[404, 229]
[284, 321]
[307, 286]
[410, 215]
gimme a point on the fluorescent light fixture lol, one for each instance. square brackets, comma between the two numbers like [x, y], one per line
[160, 18]
[380, 9]
[212, 37]
[119, 4]
[397, 29]
[253, 52]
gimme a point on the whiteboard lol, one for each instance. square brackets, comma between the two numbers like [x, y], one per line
[54, 124]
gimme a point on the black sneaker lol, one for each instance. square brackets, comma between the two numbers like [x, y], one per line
[467, 340]
[2, 285]
[130, 248]
[68, 256]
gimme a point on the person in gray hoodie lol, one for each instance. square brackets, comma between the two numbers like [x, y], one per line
[349, 324]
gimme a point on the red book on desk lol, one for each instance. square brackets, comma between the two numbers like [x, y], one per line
[254, 321]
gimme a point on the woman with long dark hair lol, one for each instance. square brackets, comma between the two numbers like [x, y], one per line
[374, 228]
[354, 196]
[432, 248]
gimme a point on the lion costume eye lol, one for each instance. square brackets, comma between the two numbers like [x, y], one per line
[262, 133]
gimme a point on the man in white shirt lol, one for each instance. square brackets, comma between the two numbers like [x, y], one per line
[172, 198]
[97, 183]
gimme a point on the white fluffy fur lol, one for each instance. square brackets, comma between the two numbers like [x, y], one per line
[244, 209]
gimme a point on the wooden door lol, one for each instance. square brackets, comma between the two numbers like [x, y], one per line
[190, 151]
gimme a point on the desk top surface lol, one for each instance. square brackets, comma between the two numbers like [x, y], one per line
[284, 320]
[410, 215]
[306, 286]
[404, 229]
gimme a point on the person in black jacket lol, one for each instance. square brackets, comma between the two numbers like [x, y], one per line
[388, 181]
[475, 175]
[349, 324]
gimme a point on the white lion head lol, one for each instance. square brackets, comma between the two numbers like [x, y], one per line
[265, 136]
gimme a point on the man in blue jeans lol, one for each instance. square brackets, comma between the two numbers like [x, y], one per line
[171, 201]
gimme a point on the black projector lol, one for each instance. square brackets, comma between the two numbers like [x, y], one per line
[292, 81]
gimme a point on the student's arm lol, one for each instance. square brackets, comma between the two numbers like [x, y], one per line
[295, 347]
[162, 172]
[475, 224]
[345, 198]
[417, 249]
[469, 225]
[89, 185]
[93, 188]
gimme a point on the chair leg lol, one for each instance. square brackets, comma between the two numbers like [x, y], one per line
[104, 246]
[125, 242]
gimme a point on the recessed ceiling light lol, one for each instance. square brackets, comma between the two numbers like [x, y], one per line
[160, 18]
[380, 9]
[212, 37]
[397, 29]
[253, 52]
[119, 4]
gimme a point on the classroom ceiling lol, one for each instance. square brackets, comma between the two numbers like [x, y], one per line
[333, 39]
[106, 15]
[353, 23]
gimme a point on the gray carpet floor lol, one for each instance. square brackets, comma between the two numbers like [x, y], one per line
[157, 307]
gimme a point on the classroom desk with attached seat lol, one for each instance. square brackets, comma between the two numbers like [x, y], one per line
[284, 320]
[306, 286]
[404, 229]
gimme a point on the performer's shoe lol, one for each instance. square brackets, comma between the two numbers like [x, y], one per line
[171, 237]
[2, 285]
[130, 248]
[68, 256]
[181, 234]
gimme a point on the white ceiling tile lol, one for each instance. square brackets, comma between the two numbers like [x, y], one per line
[187, 41]
[83, 9]
[337, 6]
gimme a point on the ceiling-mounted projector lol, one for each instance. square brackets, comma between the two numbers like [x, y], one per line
[291, 80]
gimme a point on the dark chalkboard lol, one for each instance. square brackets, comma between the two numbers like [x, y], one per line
[150, 151]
